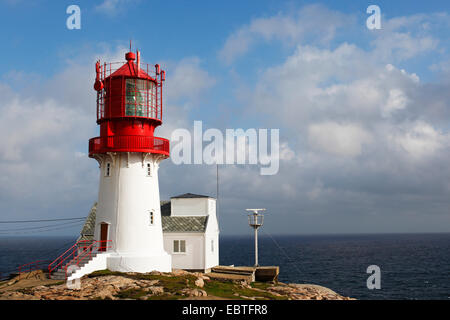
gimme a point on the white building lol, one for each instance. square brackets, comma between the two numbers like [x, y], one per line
[190, 231]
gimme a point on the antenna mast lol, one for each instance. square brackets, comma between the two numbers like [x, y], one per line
[256, 220]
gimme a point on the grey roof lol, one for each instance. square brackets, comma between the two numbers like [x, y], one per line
[184, 224]
[169, 223]
[190, 195]
[87, 232]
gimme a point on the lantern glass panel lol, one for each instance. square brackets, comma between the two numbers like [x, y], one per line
[139, 98]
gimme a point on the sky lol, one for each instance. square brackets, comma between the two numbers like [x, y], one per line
[363, 114]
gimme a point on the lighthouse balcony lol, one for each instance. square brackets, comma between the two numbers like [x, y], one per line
[130, 143]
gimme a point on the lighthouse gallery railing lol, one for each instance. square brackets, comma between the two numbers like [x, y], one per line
[133, 143]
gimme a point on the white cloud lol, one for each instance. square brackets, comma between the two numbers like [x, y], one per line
[397, 100]
[341, 84]
[338, 139]
[405, 37]
[46, 128]
[310, 22]
[188, 79]
[286, 153]
[112, 7]
[373, 136]
[421, 140]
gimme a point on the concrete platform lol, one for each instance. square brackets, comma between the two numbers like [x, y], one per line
[266, 274]
[249, 274]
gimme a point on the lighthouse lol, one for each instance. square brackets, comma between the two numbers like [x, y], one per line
[128, 218]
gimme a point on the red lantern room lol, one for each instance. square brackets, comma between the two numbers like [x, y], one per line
[129, 107]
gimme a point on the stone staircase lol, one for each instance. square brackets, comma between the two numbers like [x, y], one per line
[77, 257]
[77, 263]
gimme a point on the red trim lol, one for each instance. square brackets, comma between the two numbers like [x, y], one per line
[129, 144]
[72, 256]
[34, 265]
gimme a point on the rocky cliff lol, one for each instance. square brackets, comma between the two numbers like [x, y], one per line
[156, 286]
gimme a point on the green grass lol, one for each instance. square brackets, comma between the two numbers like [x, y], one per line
[223, 289]
[131, 294]
[174, 284]
[262, 285]
[170, 283]
[105, 272]
[228, 289]
[165, 297]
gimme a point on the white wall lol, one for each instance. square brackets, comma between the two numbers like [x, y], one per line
[194, 256]
[212, 233]
[99, 262]
[198, 245]
[189, 206]
[124, 202]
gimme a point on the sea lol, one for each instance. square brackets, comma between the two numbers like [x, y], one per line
[412, 266]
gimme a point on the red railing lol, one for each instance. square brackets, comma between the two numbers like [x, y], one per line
[34, 265]
[108, 68]
[71, 254]
[106, 97]
[68, 254]
[86, 253]
[129, 144]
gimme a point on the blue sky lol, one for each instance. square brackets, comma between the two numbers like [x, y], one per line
[170, 30]
[363, 114]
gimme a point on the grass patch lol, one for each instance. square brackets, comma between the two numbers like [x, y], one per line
[131, 294]
[263, 295]
[165, 297]
[262, 285]
[228, 289]
[172, 284]
[105, 272]
[223, 289]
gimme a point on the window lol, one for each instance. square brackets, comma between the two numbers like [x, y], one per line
[149, 170]
[179, 246]
[135, 98]
[108, 169]
[151, 218]
[140, 98]
[212, 245]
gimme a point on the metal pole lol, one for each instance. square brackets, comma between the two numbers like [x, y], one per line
[217, 192]
[256, 247]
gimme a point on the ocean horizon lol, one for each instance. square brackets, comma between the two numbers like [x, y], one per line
[413, 265]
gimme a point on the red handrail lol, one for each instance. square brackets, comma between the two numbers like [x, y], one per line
[31, 266]
[66, 255]
[87, 252]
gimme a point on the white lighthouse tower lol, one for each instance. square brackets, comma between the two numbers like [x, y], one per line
[128, 220]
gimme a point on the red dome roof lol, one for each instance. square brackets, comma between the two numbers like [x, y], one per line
[130, 69]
